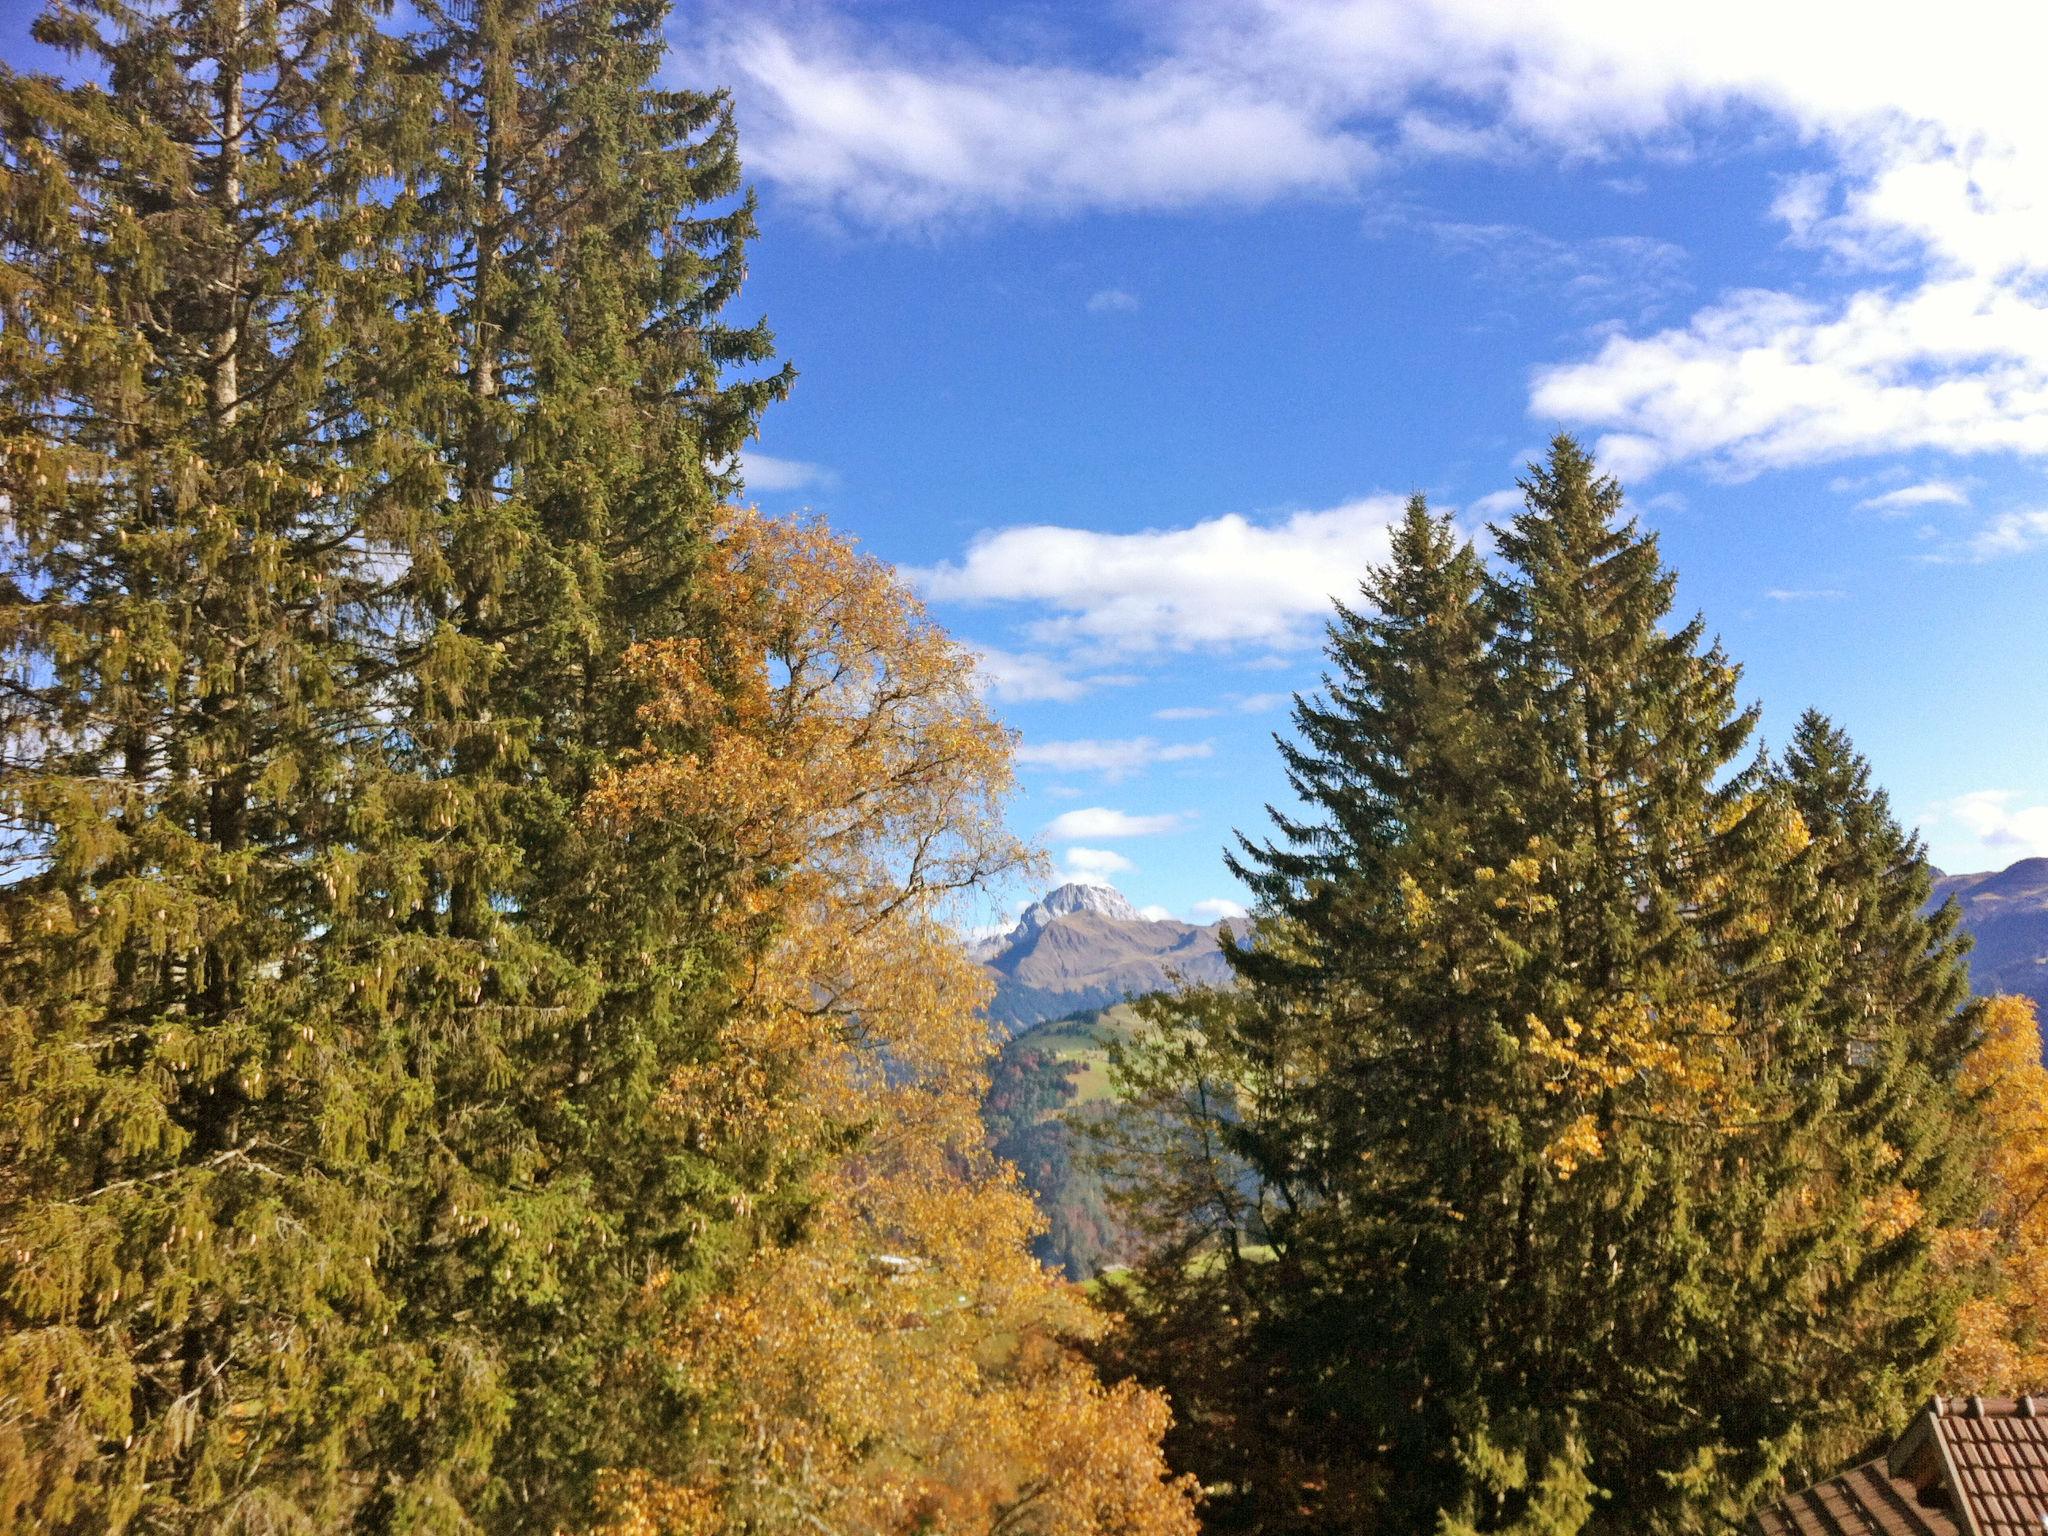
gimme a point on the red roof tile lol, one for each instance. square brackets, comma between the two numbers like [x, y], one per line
[1998, 1458]
[1975, 1466]
[1864, 1501]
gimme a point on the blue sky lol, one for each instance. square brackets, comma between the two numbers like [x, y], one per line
[1123, 328]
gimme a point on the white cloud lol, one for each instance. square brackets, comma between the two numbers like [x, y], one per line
[1995, 820]
[1111, 301]
[1259, 703]
[764, 472]
[1218, 906]
[1226, 581]
[1099, 821]
[1094, 866]
[1804, 594]
[1764, 380]
[1114, 760]
[1187, 712]
[1157, 914]
[1022, 677]
[847, 122]
[1496, 504]
[2010, 533]
[1928, 493]
[1242, 100]
[1927, 144]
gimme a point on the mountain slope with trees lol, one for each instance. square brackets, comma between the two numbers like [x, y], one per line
[1048, 1088]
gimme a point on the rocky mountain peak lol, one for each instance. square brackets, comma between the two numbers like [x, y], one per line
[1102, 900]
[1085, 946]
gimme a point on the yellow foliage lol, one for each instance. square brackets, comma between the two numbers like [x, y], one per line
[903, 1365]
[2003, 1337]
[1673, 1063]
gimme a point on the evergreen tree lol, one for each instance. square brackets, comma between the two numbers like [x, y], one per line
[364, 398]
[577, 233]
[1642, 853]
[1539, 1083]
[1877, 1154]
[194, 1318]
[1292, 1130]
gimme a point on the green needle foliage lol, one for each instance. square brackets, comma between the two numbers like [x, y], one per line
[361, 397]
[1573, 1151]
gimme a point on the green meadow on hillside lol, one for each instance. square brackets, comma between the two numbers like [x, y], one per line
[1044, 1087]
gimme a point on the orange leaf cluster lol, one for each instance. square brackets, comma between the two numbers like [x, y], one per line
[2002, 1344]
[902, 1365]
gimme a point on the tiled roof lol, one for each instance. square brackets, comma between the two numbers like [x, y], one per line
[1998, 1454]
[1966, 1466]
[1863, 1501]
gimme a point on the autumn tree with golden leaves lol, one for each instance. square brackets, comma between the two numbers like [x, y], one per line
[892, 1359]
[2002, 1343]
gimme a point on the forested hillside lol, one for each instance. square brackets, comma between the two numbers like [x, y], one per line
[1047, 1088]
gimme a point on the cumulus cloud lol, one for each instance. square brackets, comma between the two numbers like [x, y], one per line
[1928, 168]
[1804, 594]
[1997, 819]
[843, 120]
[2010, 533]
[1114, 760]
[1222, 101]
[1495, 505]
[1764, 380]
[1218, 906]
[1093, 866]
[1224, 582]
[1932, 151]
[1098, 821]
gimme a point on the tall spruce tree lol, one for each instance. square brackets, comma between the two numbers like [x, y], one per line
[1578, 1103]
[194, 1314]
[1873, 1159]
[1641, 1009]
[579, 233]
[1292, 1129]
[363, 398]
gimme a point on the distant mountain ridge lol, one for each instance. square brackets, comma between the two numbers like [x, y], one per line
[1083, 947]
[2006, 912]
